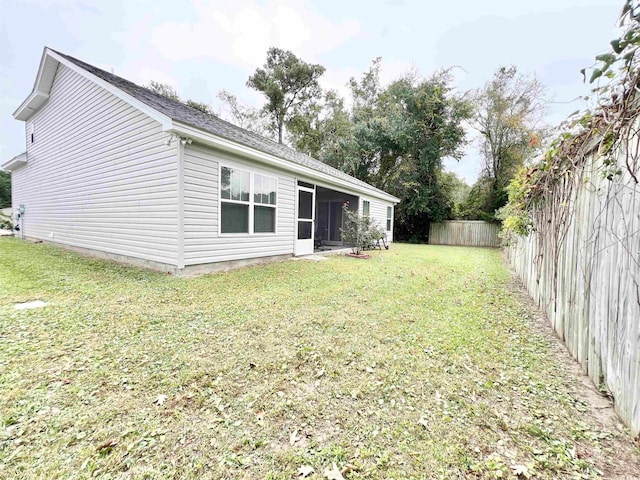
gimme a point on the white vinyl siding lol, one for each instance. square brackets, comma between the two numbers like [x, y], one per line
[203, 243]
[99, 174]
[378, 214]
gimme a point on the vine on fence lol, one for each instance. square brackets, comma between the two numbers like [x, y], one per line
[540, 195]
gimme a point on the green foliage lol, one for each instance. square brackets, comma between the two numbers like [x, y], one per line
[203, 107]
[168, 91]
[6, 222]
[288, 83]
[508, 115]
[603, 129]
[482, 201]
[164, 89]
[456, 191]
[244, 115]
[358, 231]
[401, 134]
[322, 129]
[5, 189]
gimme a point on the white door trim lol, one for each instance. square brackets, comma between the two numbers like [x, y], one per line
[304, 246]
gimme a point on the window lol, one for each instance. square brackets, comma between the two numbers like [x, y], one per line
[247, 202]
[264, 209]
[366, 207]
[389, 218]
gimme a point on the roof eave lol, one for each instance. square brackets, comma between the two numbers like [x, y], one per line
[15, 163]
[31, 105]
[273, 160]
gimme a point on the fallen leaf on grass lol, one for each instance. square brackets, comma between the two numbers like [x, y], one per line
[348, 468]
[112, 442]
[305, 470]
[260, 418]
[293, 438]
[160, 400]
[521, 471]
[333, 473]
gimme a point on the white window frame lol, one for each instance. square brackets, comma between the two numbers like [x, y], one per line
[389, 222]
[251, 203]
[369, 213]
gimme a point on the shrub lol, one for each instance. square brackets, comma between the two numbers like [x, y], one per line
[359, 231]
[6, 223]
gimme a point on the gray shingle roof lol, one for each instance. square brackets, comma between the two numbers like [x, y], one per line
[211, 123]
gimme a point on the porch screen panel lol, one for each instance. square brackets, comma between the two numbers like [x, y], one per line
[335, 220]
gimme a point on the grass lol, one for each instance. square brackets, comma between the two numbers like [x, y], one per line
[416, 363]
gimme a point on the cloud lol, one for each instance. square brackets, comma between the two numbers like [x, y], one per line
[239, 33]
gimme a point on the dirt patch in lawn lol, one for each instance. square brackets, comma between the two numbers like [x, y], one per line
[625, 464]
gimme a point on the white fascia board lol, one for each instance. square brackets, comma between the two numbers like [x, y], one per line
[249, 152]
[15, 163]
[31, 105]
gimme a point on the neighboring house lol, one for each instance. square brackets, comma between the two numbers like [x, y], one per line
[115, 170]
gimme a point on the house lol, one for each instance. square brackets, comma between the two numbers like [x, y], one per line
[115, 170]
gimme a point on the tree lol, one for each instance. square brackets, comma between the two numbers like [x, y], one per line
[168, 91]
[5, 189]
[203, 107]
[456, 192]
[164, 89]
[508, 115]
[393, 137]
[401, 134]
[243, 115]
[288, 83]
[480, 201]
[323, 129]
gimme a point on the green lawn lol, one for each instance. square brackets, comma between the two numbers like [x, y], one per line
[416, 363]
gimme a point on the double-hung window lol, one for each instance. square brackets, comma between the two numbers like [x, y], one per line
[366, 208]
[247, 202]
[389, 218]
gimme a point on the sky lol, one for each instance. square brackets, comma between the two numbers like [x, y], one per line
[201, 47]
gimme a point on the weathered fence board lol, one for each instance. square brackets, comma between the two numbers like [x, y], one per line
[590, 291]
[465, 233]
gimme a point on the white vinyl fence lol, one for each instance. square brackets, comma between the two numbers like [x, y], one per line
[465, 233]
[586, 276]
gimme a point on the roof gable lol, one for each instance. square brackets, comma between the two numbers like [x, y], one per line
[49, 65]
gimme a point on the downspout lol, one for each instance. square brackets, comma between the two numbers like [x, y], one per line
[180, 259]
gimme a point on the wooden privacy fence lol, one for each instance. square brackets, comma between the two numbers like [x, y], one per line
[585, 274]
[465, 233]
